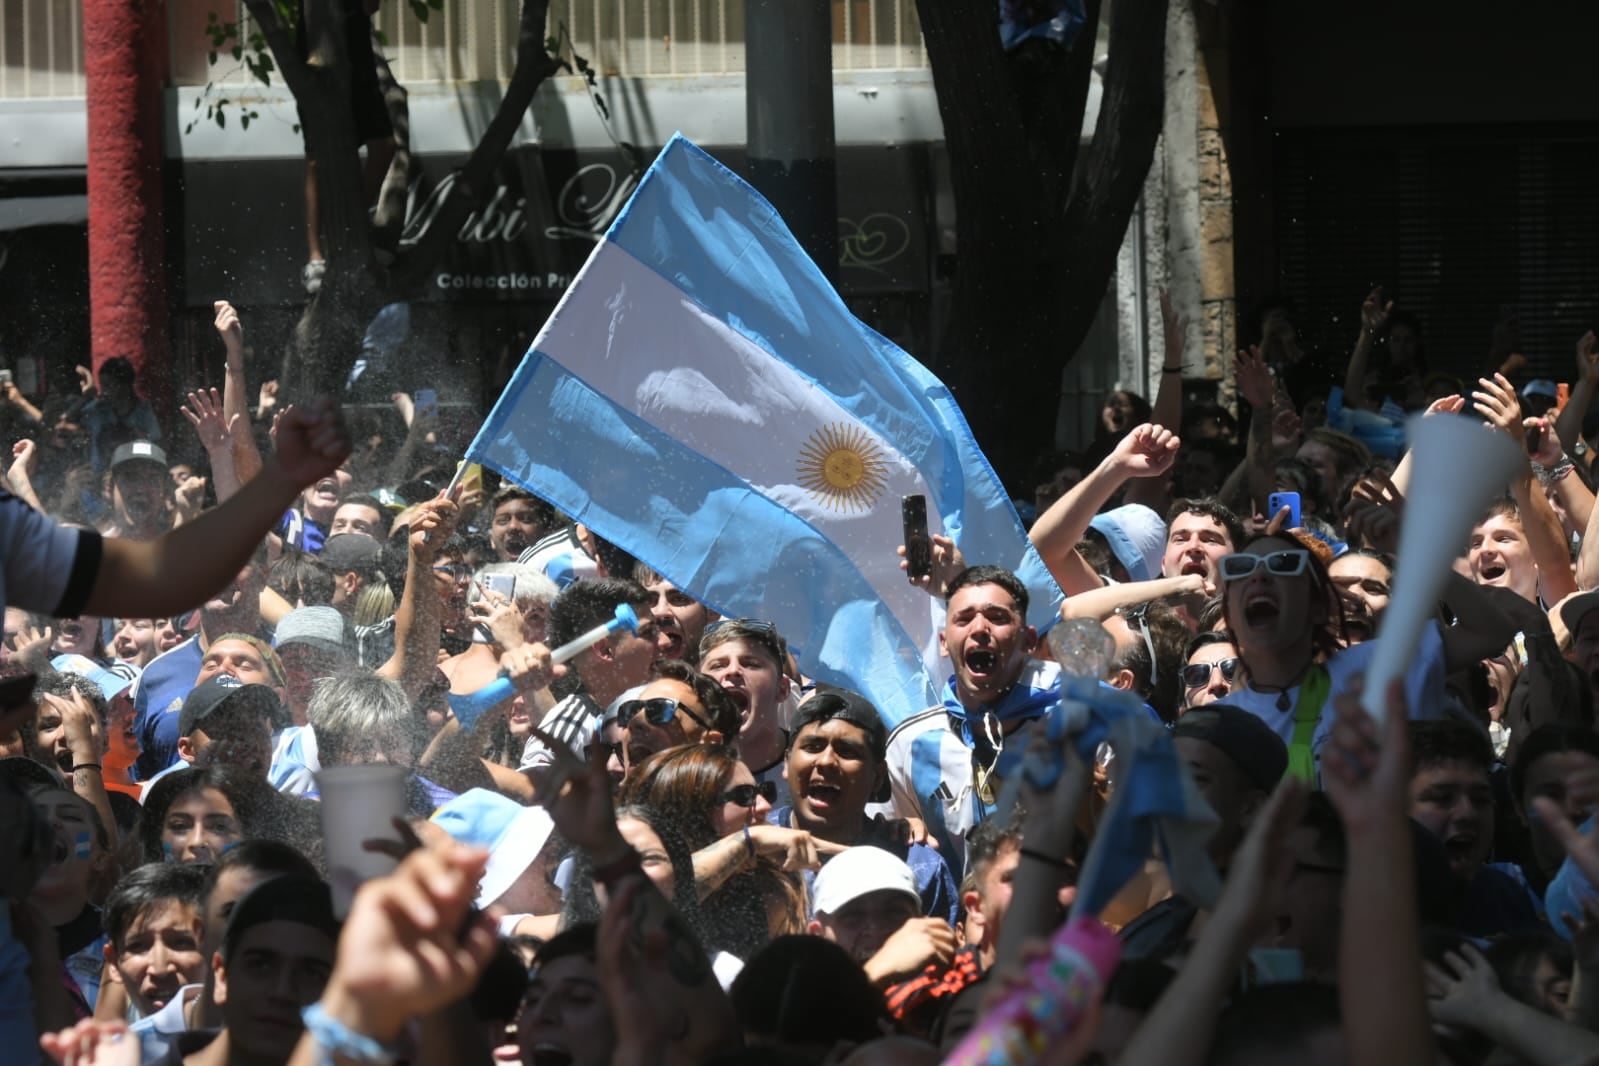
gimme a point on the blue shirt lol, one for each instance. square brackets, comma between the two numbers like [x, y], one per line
[936, 886]
[157, 699]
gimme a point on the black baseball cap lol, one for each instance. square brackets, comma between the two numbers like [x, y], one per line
[287, 898]
[225, 690]
[138, 451]
[349, 552]
[1250, 743]
[829, 702]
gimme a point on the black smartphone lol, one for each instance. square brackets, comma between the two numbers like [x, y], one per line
[1534, 439]
[918, 544]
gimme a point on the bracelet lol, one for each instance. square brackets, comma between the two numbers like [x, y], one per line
[86, 766]
[1039, 856]
[749, 842]
[1171, 369]
[1548, 475]
[619, 868]
[336, 1038]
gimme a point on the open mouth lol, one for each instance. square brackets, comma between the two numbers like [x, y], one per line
[1461, 847]
[516, 544]
[981, 662]
[1491, 573]
[1261, 611]
[741, 698]
[822, 796]
[674, 643]
[1195, 566]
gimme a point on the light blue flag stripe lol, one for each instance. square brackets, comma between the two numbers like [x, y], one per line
[701, 527]
[705, 230]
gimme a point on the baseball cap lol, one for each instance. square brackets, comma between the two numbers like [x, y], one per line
[1576, 608]
[1250, 743]
[221, 690]
[351, 551]
[138, 451]
[110, 685]
[860, 871]
[1137, 537]
[1540, 387]
[320, 627]
[286, 898]
[513, 834]
[829, 702]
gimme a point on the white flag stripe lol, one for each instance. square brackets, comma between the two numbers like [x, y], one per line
[729, 399]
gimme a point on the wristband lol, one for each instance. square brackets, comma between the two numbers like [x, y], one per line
[615, 871]
[749, 843]
[1171, 369]
[333, 1037]
[86, 766]
[468, 708]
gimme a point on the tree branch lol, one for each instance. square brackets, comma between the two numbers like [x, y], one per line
[533, 66]
[389, 218]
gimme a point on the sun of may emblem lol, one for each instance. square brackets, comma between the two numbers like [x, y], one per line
[844, 466]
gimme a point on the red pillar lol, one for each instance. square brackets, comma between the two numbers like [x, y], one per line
[125, 60]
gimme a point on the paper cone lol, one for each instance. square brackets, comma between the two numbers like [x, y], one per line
[1457, 467]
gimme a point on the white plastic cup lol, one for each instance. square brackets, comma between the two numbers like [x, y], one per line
[359, 803]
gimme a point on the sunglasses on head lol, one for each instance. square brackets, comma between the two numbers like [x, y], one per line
[658, 711]
[755, 629]
[1197, 675]
[745, 795]
[1290, 562]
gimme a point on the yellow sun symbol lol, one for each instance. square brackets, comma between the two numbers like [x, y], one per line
[844, 466]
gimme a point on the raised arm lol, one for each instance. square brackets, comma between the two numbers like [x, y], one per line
[1179, 1029]
[235, 400]
[416, 619]
[216, 431]
[1366, 771]
[683, 1013]
[1374, 312]
[1554, 469]
[1168, 409]
[1147, 451]
[177, 571]
[1569, 425]
[1496, 401]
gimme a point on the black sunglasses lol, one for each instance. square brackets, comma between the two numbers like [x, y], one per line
[658, 711]
[744, 795]
[1195, 675]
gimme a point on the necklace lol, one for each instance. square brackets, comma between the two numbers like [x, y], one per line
[1284, 704]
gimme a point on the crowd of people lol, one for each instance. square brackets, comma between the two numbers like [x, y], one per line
[675, 847]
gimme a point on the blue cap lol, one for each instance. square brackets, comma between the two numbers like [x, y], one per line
[111, 685]
[512, 834]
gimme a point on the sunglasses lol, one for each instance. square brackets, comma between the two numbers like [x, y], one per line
[1290, 562]
[1197, 675]
[658, 711]
[745, 795]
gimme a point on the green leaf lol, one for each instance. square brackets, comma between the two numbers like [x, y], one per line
[244, 121]
[238, 53]
[210, 17]
[197, 102]
[211, 58]
[383, 38]
[296, 127]
[222, 119]
[436, 5]
[552, 45]
[266, 63]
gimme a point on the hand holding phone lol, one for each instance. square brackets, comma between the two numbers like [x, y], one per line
[1277, 501]
[918, 542]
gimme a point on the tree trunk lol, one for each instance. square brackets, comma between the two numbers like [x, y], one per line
[327, 339]
[1038, 224]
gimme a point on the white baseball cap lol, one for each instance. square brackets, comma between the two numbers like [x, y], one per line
[860, 871]
[513, 834]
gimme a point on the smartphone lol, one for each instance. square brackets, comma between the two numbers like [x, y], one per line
[1534, 439]
[427, 403]
[5, 378]
[501, 585]
[918, 543]
[1277, 501]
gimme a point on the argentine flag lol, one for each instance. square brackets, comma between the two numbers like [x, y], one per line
[703, 399]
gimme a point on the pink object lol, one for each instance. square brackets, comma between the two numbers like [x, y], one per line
[1061, 986]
